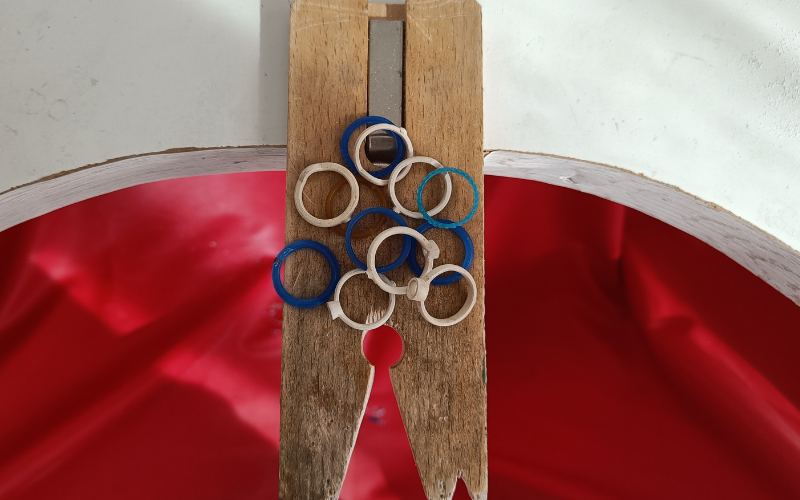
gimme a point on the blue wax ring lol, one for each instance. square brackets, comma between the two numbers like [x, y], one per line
[395, 217]
[276, 274]
[469, 253]
[369, 121]
[443, 171]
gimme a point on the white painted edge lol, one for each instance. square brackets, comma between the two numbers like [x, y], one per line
[41, 197]
[757, 251]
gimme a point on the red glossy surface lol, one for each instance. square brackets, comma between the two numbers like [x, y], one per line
[140, 355]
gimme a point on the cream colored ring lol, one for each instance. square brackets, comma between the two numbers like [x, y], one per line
[418, 289]
[402, 169]
[335, 307]
[429, 249]
[356, 157]
[326, 167]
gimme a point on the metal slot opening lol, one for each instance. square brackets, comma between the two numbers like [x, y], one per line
[386, 44]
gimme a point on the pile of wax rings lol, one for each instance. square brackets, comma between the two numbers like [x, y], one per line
[417, 288]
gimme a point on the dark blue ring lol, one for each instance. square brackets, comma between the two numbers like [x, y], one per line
[443, 171]
[369, 121]
[407, 240]
[469, 253]
[276, 274]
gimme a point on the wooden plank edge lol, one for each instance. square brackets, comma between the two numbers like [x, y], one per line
[325, 378]
[440, 382]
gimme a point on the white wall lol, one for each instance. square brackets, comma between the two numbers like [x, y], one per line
[700, 94]
[85, 81]
[704, 95]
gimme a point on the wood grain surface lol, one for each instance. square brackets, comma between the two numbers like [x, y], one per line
[393, 12]
[440, 382]
[325, 379]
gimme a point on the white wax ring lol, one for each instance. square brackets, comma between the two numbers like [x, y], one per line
[429, 249]
[402, 169]
[418, 292]
[326, 167]
[356, 157]
[335, 306]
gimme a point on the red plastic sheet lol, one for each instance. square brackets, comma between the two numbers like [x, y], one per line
[140, 355]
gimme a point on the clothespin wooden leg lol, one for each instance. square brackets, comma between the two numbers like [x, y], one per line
[325, 379]
[440, 382]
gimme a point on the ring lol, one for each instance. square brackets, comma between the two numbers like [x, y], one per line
[469, 253]
[348, 245]
[356, 157]
[341, 230]
[276, 274]
[429, 249]
[402, 170]
[336, 310]
[428, 217]
[370, 120]
[301, 183]
[418, 289]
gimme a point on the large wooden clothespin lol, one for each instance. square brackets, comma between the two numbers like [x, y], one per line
[440, 382]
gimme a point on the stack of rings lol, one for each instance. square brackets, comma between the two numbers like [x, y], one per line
[402, 170]
[429, 249]
[379, 222]
[418, 288]
[469, 253]
[348, 245]
[356, 156]
[354, 174]
[370, 120]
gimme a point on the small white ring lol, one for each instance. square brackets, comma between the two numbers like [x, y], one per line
[422, 285]
[354, 154]
[326, 167]
[335, 307]
[402, 169]
[429, 249]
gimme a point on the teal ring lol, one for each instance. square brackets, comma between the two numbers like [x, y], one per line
[443, 171]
